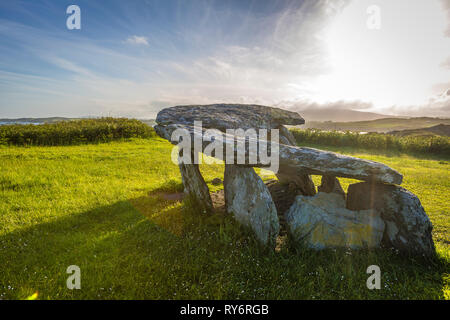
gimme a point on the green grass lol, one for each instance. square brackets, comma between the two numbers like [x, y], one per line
[101, 207]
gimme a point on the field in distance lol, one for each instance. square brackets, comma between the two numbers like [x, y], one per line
[379, 125]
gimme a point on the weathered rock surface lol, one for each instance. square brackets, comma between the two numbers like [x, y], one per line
[229, 116]
[249, 200]
[283, 195]
[286, 137]
[314, 161]
[195, 186]
[294, 160]
[330, 184]
[302, 180]
[408, 228]
[322, 221]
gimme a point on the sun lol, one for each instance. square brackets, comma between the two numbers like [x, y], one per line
[397, 64]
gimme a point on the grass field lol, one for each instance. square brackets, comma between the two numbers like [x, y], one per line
[102, 207]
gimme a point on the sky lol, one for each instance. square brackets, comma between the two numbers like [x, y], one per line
[133, 58]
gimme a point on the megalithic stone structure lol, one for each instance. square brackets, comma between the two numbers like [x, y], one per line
[375, 213]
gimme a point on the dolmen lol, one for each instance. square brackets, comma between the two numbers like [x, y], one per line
[376, 212]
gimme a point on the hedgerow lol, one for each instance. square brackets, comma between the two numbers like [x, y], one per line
[74, 132]
[436, 145]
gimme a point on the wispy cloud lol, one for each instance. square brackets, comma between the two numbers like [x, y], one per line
[137, 40]
[446, 63]
[446, 6]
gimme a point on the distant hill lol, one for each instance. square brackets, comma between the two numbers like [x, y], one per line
[440, 130]
[379, 125]
[149, 122]
[34, 120]
[338, 115]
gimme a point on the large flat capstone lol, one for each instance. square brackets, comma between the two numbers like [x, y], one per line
[229, 116]
[292, 159]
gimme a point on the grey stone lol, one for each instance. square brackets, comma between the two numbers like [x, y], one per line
[229, 116]
[298, 159]
[302, 180]
[250, 202]
[195, 186]
[330, 184]
[408, 228]
[288, 137]
[322, 221]
[285, 140]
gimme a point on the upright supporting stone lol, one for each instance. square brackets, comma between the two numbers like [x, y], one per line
[250, 202]
[303, 182]
[195, 186]
[408, 228]
[286, 136]
[322, 221]
[330, 184]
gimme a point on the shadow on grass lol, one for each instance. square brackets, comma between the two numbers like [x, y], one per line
[151, 248]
